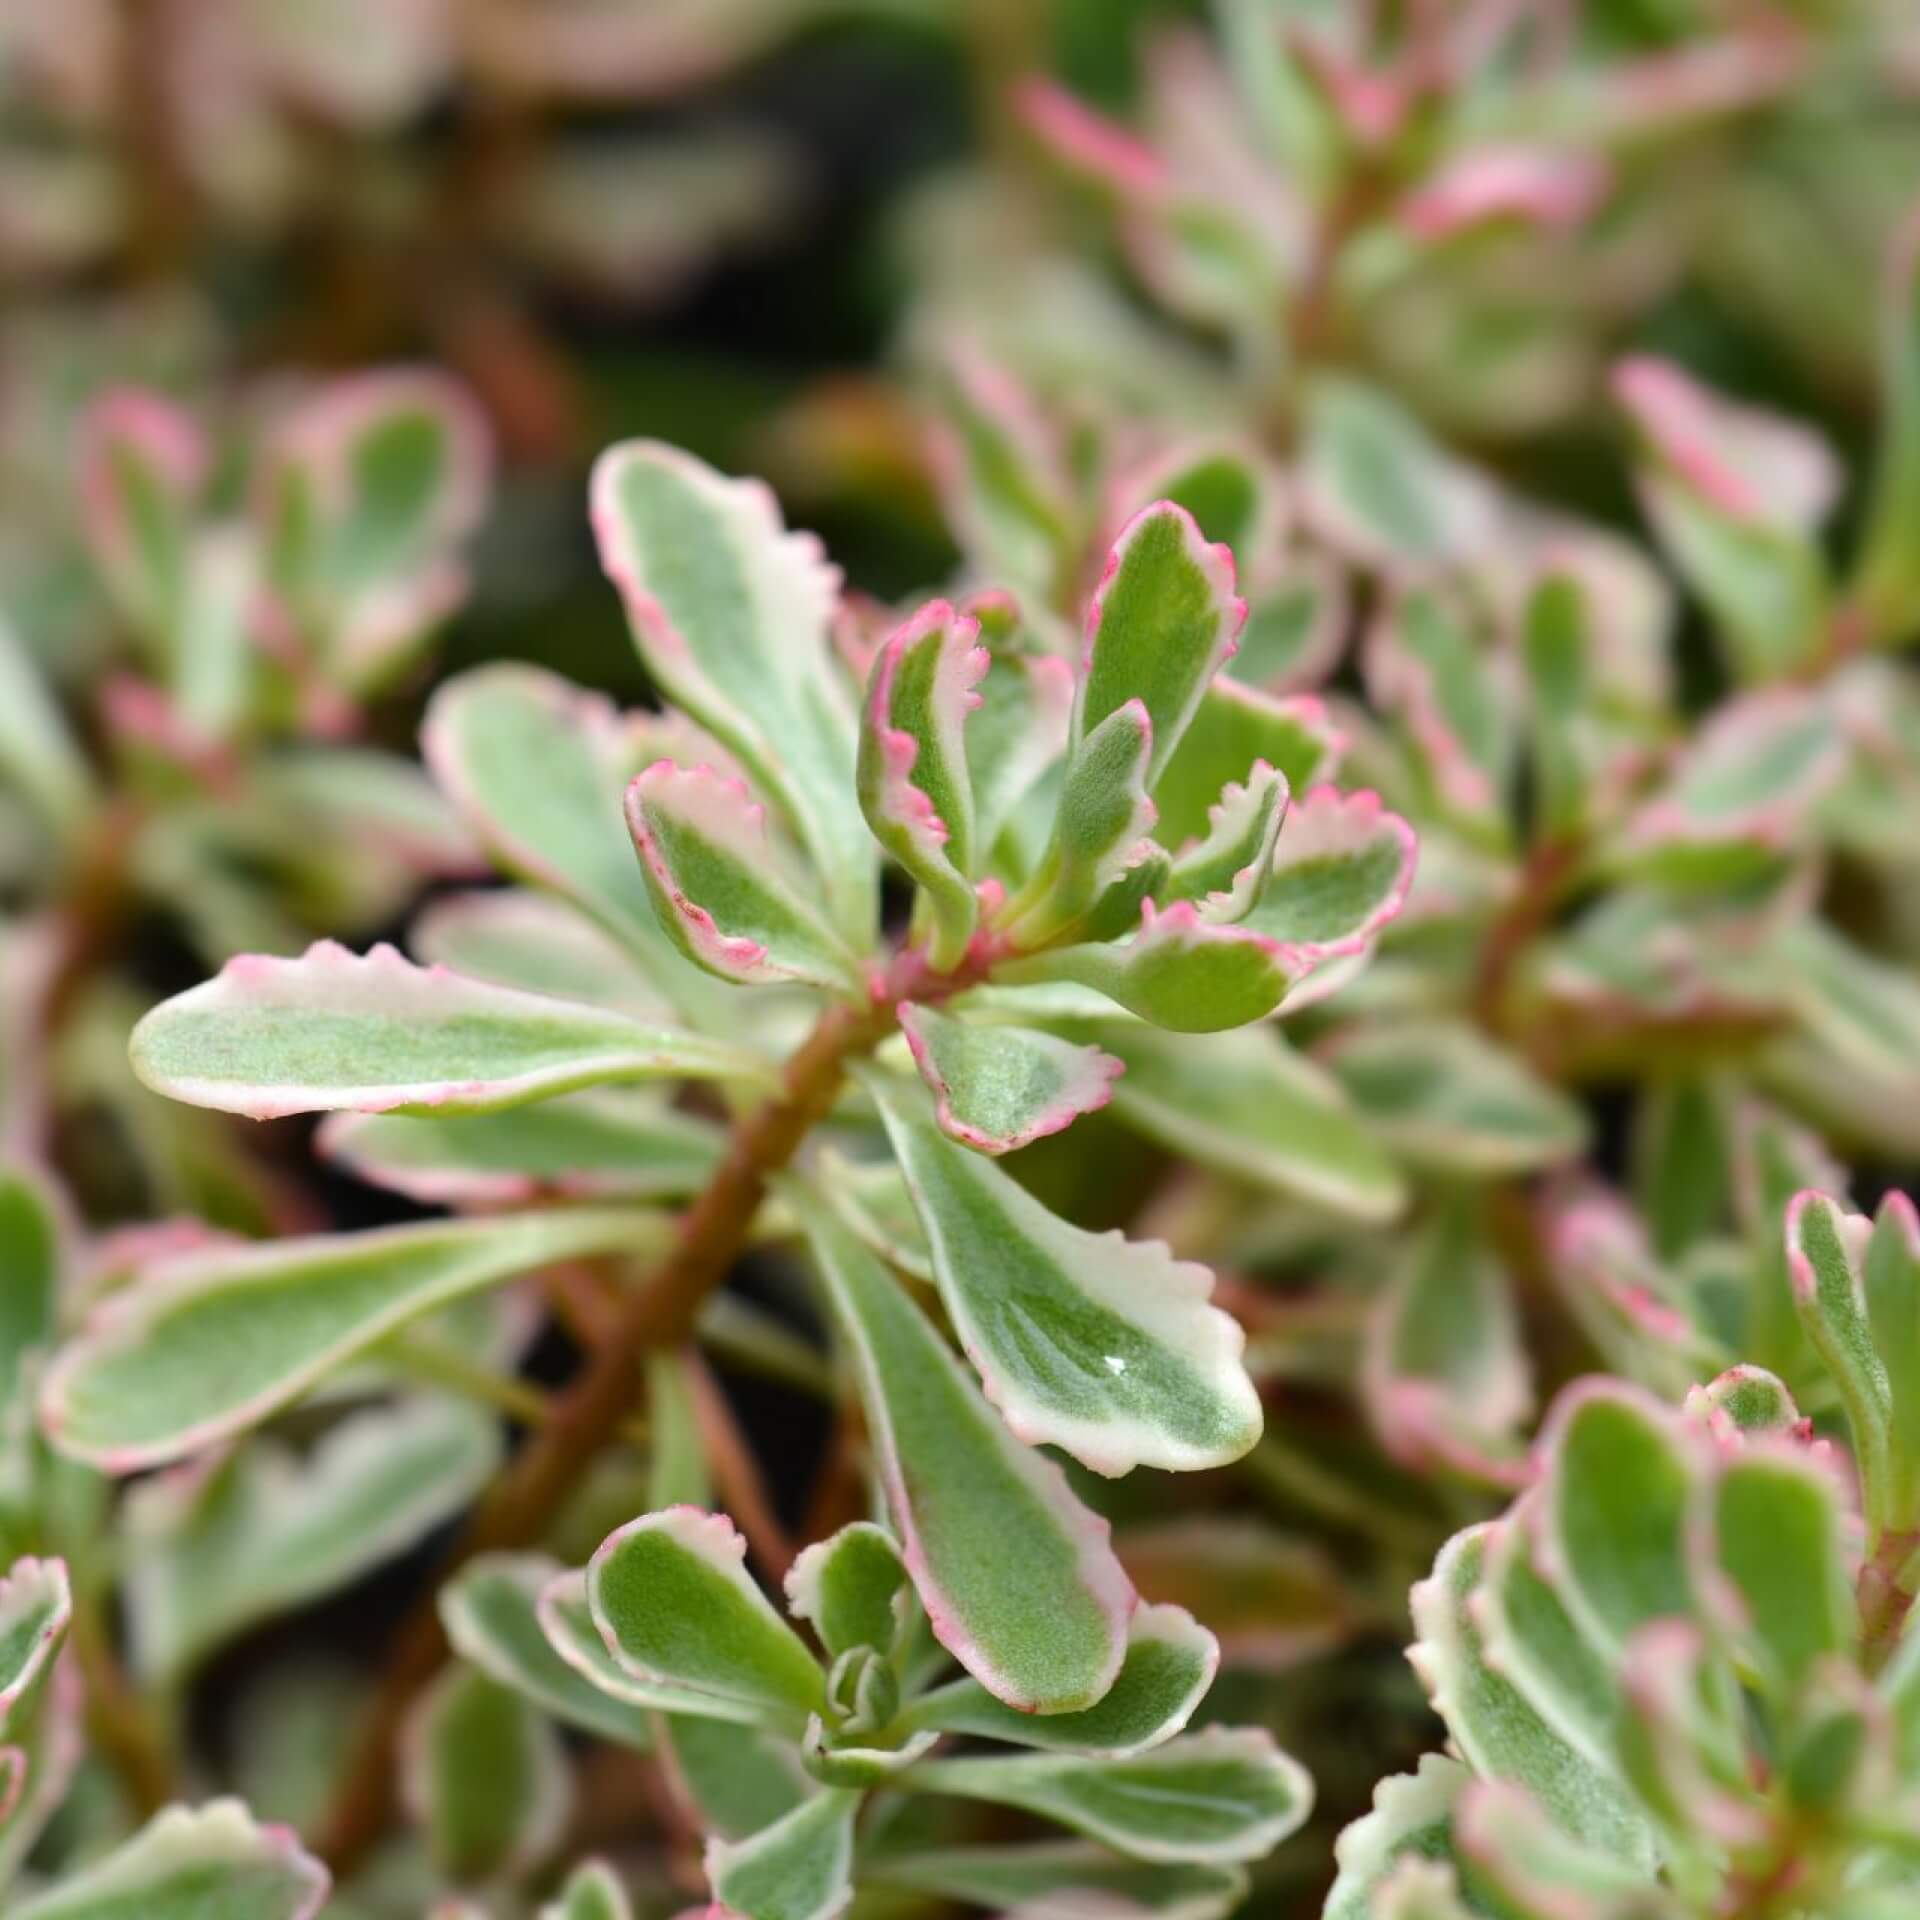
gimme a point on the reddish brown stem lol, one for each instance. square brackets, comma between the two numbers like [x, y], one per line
[736, 1474]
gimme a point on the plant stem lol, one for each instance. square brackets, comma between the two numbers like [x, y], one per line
[592, 1410]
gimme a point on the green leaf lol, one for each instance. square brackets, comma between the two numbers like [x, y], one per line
[536, 767]
[268, 1530]
[485, 1775]
[1891, 1278]
[1734, 495]
[1017, 1578]
[1446, 1378]
[731, 614]
[1228, 869]
[216, 1339]
[143, 466]
[1247, 1104]
[373, 1033]
[1169, 1666]
[998, 1088]
[1018, 733]
[1887, 567]
[1417, 1889]
[575, 1636]
[1086, 1341]
[1234, 728]
[850, 1588]
[1525, 1858]
[915, 788]
[36, 1608]
[613, 1144]
[1411, 1819]
[39, 756]
[1613, 1519]
[1078, 1877]
[1160, 625]
[734, 1778]
[1341, 872]
[1557, 641]
[1745, 1400]
[800, 1868]
[1453, 1102]
[671, 1595]
[719, 886]
[1178, 971]
[592, 1892]
[32, 1259]
[491, 1612]
[1225, 1795]
[1494, 1727]
[41, 1740]
[1377, 488]
[190, 1865]
[1776, 1521]
[1295, 629]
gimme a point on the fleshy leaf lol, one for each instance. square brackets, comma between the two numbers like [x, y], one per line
[1249, 1105]
[1064, 1875]
[268, 1530]
[491, 1611]
[592, 1892]
[32, 1255]
[1613, 1517]
[373, 1033]
[1224, 1795]
[733, 1777]
[1493, 1726]
[1452, 1101]
[1178, 971]
[800, 1868]
[1776, 1521]
[1019, 730]
[915, 787]
[485, 1775]
[1234, 728]
[848, 1588]
[1228, 869]
[1341, 872]
[731, 614]
[1169, 1666]
[671, 1596]
[186, 1865]
[717, 886]
[536, 767]
[39, 757]
[1525, 1858]
[574, 1635]
[1103, 1346]
[1018, 1579]
[1412, 1818]
[1001, 1088]
[143, 464]
[1446, 1375]
[612, 1144]
[1735, 496]
[1163, 621]
[215, 1339]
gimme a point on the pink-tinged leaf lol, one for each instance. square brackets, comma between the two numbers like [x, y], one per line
[1105, 1346]
[1742, 795]
[373, 1033]
[1179, 971]
[719, 884]
[1088, 144]
[213, 1340]
[36, 1608]
[732, 615]
[1531, 186]
[800, 1868]
[185, 1863]
[1517, 1850]
[1235, 492]
[1737, 496]
[1235, 727]
[1446, 1379]
[1411, 1819]
[997, 1089]
[1297, 624]
[1227, 871]
[1745, 1400]
[915, 787]
[1019, 1580]
[1341, 872]
[1020, 729]
[143, 465]
[1162, 622]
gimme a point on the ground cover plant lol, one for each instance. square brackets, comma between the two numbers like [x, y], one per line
[1172, 1178]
